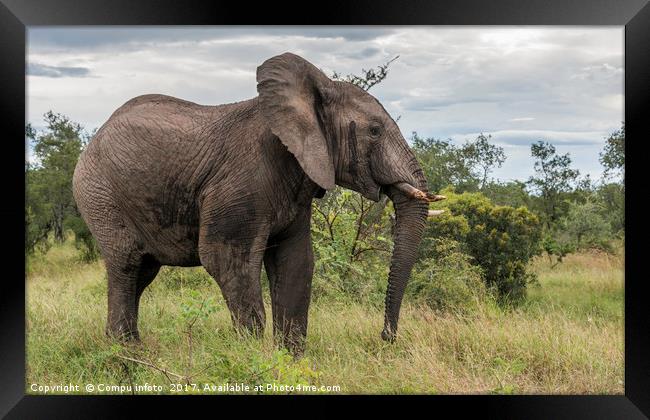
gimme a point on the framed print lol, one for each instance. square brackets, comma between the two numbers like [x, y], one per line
[379, 201]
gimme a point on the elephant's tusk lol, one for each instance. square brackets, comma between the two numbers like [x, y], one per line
[434, 213]
[433, 197]
[412, 192]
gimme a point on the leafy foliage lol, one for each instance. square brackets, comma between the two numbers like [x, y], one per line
[593, 218]
[281, 372]
[613, 155]
[557, 247]
[467, 167]
[83, 239]
[500, 239]
[553, 178]
[197, 307]
[586, 225]
[447, 281]
[612, 199]
[351, 241]
[512, 193]
[369, 78]
[444, 164]
[50, 206]
[483, 157]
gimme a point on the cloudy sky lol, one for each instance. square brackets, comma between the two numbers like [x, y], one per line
[563, 85]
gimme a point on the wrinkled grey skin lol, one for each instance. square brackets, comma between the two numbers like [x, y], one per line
[229, 187]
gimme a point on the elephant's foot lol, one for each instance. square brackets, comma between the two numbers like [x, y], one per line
[294, 340]
[295, 347]
[123, 333]
[254, 331]
[124, 337]
[251, 324]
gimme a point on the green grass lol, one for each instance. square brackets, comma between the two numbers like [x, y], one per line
[566, 339]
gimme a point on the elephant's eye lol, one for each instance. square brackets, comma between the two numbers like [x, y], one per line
[375, 131]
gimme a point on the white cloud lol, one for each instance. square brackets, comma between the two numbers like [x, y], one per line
[526, 137]
[521, 119]
[521, 84]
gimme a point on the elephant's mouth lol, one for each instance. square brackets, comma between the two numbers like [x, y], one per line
[411, 192]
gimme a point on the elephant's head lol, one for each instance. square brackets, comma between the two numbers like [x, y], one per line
[342, 135]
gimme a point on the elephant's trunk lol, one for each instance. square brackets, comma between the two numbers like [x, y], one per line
[410, 214]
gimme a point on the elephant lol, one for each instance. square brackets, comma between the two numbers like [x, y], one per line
[230, 187]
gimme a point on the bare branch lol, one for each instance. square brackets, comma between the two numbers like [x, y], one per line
[151, 365]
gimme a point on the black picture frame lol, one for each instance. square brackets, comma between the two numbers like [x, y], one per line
[16, 15]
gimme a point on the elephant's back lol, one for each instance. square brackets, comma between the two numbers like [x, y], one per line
[150, 111]
[149, 135]
[157, 143]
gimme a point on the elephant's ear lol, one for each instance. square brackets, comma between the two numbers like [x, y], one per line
[290, 92]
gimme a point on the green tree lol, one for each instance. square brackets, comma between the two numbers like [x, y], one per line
[466, 167]
[613, 155]
[584, 190]
[585, 224]
[512, 193]
[612, 197]
[445, 164]
[553, 179]
[50, 206]
[483, 157]
[612, 194]
[50, 174]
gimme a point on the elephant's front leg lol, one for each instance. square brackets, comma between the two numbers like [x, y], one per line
[289, 266]
[237, 271]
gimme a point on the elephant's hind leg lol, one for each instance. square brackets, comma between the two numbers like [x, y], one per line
[129, 273]
[129, 270]
[149, 269]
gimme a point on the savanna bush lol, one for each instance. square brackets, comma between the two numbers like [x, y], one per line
[586, 226]
[557, 246]
[358, 281]
[500, 239]
[83, 239]
[447, 281]
[352, 245]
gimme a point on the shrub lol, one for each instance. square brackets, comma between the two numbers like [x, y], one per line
[361, 281]
[448, 281]
[612, 197]
[585, 224]
[500, 239]
[352, 245]
[558, 246]
[83, 239]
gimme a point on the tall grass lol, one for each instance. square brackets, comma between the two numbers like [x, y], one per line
[566, 339]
